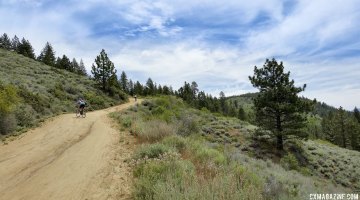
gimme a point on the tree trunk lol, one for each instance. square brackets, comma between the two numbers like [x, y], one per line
[279, 136]
[279, 144]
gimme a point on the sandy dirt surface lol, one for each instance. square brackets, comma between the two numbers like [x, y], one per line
[69, 158]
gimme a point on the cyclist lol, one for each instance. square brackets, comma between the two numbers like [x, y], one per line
[81, 102]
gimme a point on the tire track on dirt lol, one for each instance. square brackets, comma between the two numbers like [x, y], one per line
[68, 158]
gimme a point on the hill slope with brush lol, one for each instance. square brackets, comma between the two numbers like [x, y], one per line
[32, 91]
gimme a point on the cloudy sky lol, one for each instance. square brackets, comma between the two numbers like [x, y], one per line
[215, 43]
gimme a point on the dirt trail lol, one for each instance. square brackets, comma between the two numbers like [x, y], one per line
[68, 158]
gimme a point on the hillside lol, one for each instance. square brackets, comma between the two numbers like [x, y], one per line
[42, 91]
[246, 100]
[187, 153]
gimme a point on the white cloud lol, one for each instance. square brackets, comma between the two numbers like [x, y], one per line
[302, 37]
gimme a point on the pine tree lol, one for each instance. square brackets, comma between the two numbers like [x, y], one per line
[357, 114]
[47, 55]
[65, 64]
[58, 63]
[82, 69]
[103, 71]
[223, 106]
[159, 89]
[138, 88]
[26, 49]
[341, 122]
[124, 82]
[278, 107]
[5, 42]
[15, 44]
[242, 114]
[328, 127]
[166, 90]
[354, 131]
[75, 65]
[131, 87]
[150, 87]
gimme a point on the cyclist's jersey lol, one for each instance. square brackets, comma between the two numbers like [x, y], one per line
[81, 103]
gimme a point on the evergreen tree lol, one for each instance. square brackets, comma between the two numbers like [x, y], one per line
[131, 87]
[82, 69]
[341, 122]
[354, 131]
[202, 100]
[278, 107]
[65, 63]
[242, 114]
[75, 65]
[159, 89]
[342, 129]
[187, 93]
[223, 105]
[166, 90]
[5, 42]
[328, 127]
[357, 114]
[194, 89]
[150, 87]
[15, 44]
[58, 63]
[103, 71]
[236, 103]
[26, 49]
[138, 88]
[47, 55]
[124, 82]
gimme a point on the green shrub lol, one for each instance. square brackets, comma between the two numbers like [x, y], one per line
[126, 121]
[290, 162]
[203, 155]
[151, 151]
[117, 93]
[7, 123]
[158, 110]
[8, 98]
[188, 124]
[96, 101]
[38, 102]
[25, 115]
[176, 142]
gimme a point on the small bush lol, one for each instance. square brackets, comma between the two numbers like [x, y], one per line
[95, 100]
[151, 151]
[8, 98]
[126, 122]
[7, 123]
[290, 162]
[176, 142]
[25, 115]
[188, 124]
[71, 89]
[158, 110]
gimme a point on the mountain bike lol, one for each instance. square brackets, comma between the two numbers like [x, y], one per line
[81, 112]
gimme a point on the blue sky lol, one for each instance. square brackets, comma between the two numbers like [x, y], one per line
[215, 43]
